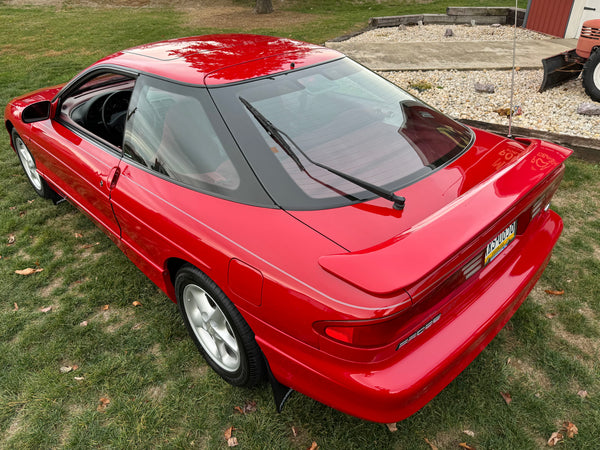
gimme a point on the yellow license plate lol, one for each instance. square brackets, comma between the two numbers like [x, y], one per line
[500, 242]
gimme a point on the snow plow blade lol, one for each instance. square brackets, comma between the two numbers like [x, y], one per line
[560, 68]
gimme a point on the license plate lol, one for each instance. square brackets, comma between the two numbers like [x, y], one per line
[500, 242]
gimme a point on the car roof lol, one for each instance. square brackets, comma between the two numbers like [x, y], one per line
[220, 58]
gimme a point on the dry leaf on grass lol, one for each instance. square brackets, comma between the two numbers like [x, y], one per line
[47, 309]
[232, 442]
[16, 308]
[552, 292]
[469, 433]
[506, 396]
[555, 439]
[392, 427]
[228, 433]
[90, 245]
[466, 446]
[551, 315]
[11, 239]
[570, 429]
[103, 404]
[247, 408]
[105, 307]
[78, 378]
[28, 271]
[84, 323]
[313, 446]
[582, 394]
[137, 303]
[66, 369]
[433, 447]
[294, 432]
[78, 235]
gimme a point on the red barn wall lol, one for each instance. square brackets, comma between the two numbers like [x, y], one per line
[549, 16]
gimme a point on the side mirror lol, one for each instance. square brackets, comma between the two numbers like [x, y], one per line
[36, 112]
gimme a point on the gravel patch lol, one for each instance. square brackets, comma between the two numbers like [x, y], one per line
[453, 92]
[430, 33]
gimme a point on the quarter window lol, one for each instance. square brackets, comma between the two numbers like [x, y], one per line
[170, 132]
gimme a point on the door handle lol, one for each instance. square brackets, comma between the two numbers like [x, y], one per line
[113, 177]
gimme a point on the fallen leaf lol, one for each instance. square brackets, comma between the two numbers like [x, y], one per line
[103, 404]
[11, 239]
[228, 433]
[433, 447]
[16, 308]
[570, 429]
[392, 427]
[294, 432]
[84, 323]
[22, 213]
[247, 408]
[555, 439]
[469, 433]
[551, 315]
[78, 235]
[506, 396]
[28, 271]
[313, 446]
[465, 445]
[90, 245]
[552, 292]
[78, 378]
[75, 367]
[582, 394]
[137, 326]
[105, 307]
[232, 442]
[137, 303]
[47, 309]
[66, 369]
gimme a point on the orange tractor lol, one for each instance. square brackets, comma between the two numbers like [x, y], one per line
[586, 58]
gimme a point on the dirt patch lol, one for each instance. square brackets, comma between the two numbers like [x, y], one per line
[533, 376]
[243, 19]
[221, 14]
[48, 290]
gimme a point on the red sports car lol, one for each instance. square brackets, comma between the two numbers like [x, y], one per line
[316, 224]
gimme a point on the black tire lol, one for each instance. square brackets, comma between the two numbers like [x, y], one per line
[218, 329]
[591, 76]
[29, 167]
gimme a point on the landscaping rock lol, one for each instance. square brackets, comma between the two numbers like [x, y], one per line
[589, 109]
[449, 32]
[485, 88]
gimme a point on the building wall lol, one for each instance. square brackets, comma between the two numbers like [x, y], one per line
[549, 16]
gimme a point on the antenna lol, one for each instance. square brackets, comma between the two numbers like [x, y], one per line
[512, 84]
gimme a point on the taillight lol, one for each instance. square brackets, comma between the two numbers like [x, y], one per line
[370, 333]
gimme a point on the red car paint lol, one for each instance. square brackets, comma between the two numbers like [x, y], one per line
[365, 308]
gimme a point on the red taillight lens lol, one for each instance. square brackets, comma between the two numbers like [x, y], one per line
[364, 334]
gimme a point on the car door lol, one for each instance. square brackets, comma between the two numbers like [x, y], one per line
[181, 178]
[81, 147]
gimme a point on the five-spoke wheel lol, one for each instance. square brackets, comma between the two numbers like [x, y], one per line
[218, 329]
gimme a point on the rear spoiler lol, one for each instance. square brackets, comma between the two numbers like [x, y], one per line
[408, 257]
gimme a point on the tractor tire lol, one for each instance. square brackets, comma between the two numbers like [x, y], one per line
[591, 76]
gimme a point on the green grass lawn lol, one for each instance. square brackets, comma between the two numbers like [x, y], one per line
[162, 394]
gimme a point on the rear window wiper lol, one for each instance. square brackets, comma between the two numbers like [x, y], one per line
[282, 138]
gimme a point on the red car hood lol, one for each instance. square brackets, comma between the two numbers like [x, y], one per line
[389, 250]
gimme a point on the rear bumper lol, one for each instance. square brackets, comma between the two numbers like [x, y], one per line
[398, 387]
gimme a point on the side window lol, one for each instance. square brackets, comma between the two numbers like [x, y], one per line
[170, 132]
[99, 105]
